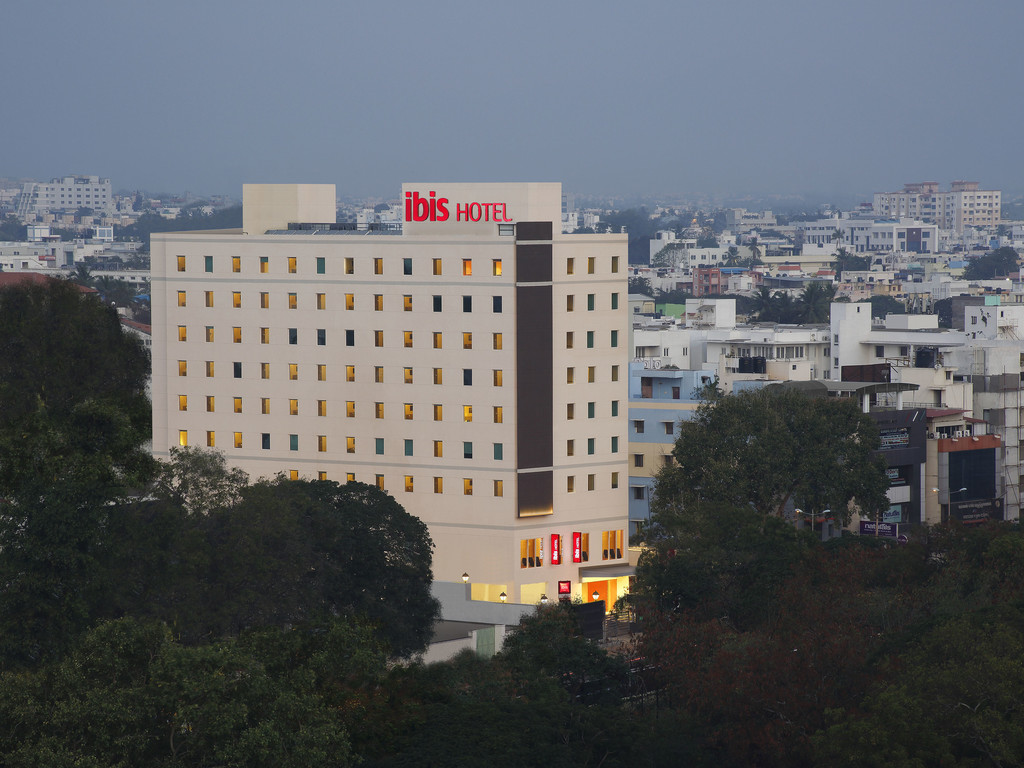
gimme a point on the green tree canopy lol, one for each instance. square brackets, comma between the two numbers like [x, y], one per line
[1001, 262]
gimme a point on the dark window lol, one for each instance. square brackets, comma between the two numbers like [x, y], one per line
[320, 265]
[406, 266]
[437, 303]
[467, 376]
[496, 303]
[238, 370]
[467, 303]
[293, 335]
[266, 441]
[350, 338]
[321, 336]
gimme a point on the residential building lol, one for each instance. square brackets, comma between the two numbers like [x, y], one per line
[68, 193]
[963, 205]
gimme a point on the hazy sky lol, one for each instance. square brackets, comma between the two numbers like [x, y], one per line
[627, 98]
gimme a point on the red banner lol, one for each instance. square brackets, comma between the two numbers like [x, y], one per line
[556, 549]
[577, 547]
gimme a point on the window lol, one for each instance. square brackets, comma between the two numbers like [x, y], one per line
[264, 300]
[407, 411]
[321, 475]
[570, 303]
[496, 267]
[590, 446]
[467, 340]
[467, 377]
[209, 334]
[209, 369]
[293, 335]
[570, 339]
[378, 410]
[406, 266]
[499, 451]
[264, 370]
[293, 301]
[407, 375]
[590, 302]
[181, 299]
[497, 377]
[407, 339]
[467, 413]
[437, 303]
[264, 265]
[350, 337]
[638, 492]
[611, 545]
[438, 485]
[590, 339]
[211, 440]
[438, 340]
[438, 449]
[183, 437]
[236, 299]
[264, 335]
[181, 263]
[321, 443]
[615, 407]
[570, 375]
[496, 341]
[349, 265]
[293, 474]
[570, 266]
[236, 264]
[436, 266]
[350, 409]
[237, 404]
[615, 338]
[531, 552]
[350, 301]
[350, 445]
[615, 296]
[591, 482]
[638, 459]
[467, 303]
[293, 407]
[408, 483]
[570, 411]
[321, 265]
[498, 414]
[638, 426]
[407, 447]
[350, 477]
[208, 296]
[615, 269]
[591, 262]
[265, 406]
[378, 266]
[570, 447]
[467, 450]
[238, 439]
[467, 486]
[182, 402]
[321, 301]
[615, 443]
[350, 373]
[293, 371]
[496, 304]
[438, 411]
[321, 337]
[467, 267]
[293, 442]
[499, 488]
[183, 333]
[438, 378]
[591, 407]
[669, 427]
[615, 479]
[182, 368]
[407, 303]
[615, 373]
[237, 370]
[321, 372]
[378, 302]
[265, 440]
[208, 263]
[378, 374]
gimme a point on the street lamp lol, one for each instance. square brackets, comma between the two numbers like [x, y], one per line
[465, 578]
[543, 599]
[594, 595]
[503, 597]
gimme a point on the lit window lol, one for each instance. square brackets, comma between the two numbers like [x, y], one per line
[293, 371]
[496, 267]
[321, 301]
[378, 338]
[265, 405]
[496, 341]
[570, 375]
[438, 378]
[350, 445]
[350, 301]
[570, 266]
[209, 333]
[499, 488]
[570, 484]
[293, 301]
[438, 449]
[237, 404]
[467, 413]
[236, 334]
[438, 339]
[438, 485]
[210, 440]
[438, 411]
[321, 443]
[321, 372]
[181, 298]
[183, 437]
[611, 544]
[570, 447]
[293, 474]
[182, 368]
[182, 402]
[378, 266]
[407, 408]
[591, 373]
[182, 333]
[350, 477]
[350, 373]
[407, 303]
[350, 409]
[570, 411]
[378, 302]
[264, 264]
[591, 262]
[264, 370]
[407, 373]
[238, 439]
[570, 339]
[408, 483]
[378, 374]
[467, 340]
[378, 410]
[181, 263]
[498, 414]
[467, 486]
[236, 264]
[350, 266]
[293, 407]
[407, 338]
[497, 377]
[291, 265]
[321, 475]
[467, 267]
[208, 295]
[236, 299]
[209, 369]
[570, 303]
[264, 335]
[264, 300]
[436, 267]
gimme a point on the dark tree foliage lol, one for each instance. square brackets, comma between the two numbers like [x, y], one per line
[944, 309]
[188, 219]
[850, 262]
[1002, 262]
[11, 229]
[881, 306]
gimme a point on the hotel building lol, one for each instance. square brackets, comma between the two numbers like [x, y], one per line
[471, 364]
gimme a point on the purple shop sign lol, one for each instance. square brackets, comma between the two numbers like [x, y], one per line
[883, 529]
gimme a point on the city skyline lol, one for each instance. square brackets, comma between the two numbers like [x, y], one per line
[730, 100]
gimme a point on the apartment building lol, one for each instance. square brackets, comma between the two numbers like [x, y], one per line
[473, 365]
[963, 205]
[68, 193]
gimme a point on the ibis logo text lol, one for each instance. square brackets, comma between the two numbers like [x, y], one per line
[434, 208]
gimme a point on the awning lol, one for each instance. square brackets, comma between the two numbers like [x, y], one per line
[600, 572]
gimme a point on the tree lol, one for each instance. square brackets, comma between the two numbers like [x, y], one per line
[767, 448]
[815, 302]
[850, 262]
[640, 285]
[755, 252]
[1001, 262]
[764, 306]
[199, 481]
[11, 229]
[667, 257]
[886, 305]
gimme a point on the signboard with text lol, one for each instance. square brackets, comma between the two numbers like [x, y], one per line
[890, 530]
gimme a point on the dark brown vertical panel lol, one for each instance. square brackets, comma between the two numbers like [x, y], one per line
[535, 493]
[533, 230]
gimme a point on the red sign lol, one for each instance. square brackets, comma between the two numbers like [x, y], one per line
[556, 549]
[434, 208]
[577, 547]
[564, 588]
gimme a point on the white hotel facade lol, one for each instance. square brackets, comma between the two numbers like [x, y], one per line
[472, 365]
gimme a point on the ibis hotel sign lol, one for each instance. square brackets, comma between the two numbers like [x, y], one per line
[476, 209]
[430, 207]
